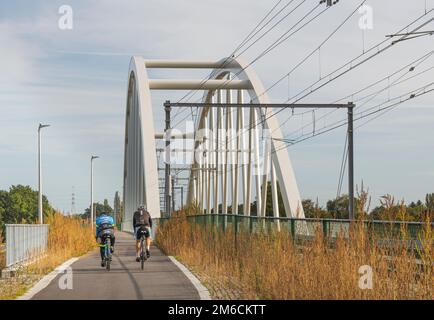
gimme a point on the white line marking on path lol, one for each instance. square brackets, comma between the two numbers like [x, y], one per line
[203, 292]
[45, 281]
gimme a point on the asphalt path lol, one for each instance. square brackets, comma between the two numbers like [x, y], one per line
[160, 279]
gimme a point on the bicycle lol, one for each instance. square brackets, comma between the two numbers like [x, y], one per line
[143, 257]
[107, 252]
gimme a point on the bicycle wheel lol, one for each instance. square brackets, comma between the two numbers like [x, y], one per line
[142, 253]
[107, 253]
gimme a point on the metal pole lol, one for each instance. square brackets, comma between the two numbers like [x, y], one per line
[39, 178]
[173, 192]
[91, 191]
[40, 209]
[260, 105]
[167, 109]
[350, 163]
[182, 197]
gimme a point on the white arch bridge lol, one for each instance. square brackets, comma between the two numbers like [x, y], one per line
[236, 156]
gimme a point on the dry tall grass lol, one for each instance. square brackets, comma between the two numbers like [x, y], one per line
[2, 258]
[272, 266]
[67, 238]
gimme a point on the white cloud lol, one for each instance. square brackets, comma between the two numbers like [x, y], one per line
[17, 57]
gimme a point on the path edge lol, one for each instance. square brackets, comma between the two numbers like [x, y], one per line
[46, 280]
[201, 289]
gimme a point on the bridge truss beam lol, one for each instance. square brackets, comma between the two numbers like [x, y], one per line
[237, 165]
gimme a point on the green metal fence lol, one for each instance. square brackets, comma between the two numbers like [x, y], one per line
[302, 228]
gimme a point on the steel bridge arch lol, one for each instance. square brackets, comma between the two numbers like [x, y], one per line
[140, 178]
[141, 181]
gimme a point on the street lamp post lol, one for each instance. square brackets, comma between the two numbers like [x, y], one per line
[40, 212]
[91, 189]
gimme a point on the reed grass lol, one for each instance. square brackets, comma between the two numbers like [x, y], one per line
[2, 259]
[271, 265]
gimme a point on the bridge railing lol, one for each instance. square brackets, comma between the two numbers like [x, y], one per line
[301, 228]
[25, 242]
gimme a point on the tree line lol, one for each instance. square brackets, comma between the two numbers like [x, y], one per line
[389, 208]
[115, 212]
[19, 205]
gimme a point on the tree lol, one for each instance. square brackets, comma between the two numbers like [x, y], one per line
[429, 201]
[23, 205]
[313, 210]
[415, 211]
[4, 204]
[106, 207]
[269, 207]
[99, 208]
[117, 205]
[20, 205]
[391, 210]
[338, 207]
[377, 213]
[308, 207]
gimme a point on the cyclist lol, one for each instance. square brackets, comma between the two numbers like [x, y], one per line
[105, 228]
[142, 221]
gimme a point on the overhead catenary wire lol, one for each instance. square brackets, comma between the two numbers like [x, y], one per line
[313, 51]
[351, 66]
[318, 48]
[251, 34]
[274, 26]
[383, 111]
[414, 94]
[409, 67]
[350, 63]
[224, 64]
[410, 95]
[375, 94]
[285, 36]
[290, 142]
[368, 115]
[275, 44]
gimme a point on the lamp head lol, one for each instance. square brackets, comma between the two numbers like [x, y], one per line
[43, 126]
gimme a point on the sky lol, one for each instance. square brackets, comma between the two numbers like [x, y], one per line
[76, 80]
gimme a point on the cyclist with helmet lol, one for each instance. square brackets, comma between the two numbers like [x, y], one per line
[142, 222]
[105, 228]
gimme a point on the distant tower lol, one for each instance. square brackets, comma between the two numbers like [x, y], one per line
[72, 202]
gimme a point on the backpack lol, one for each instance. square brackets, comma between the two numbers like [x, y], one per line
[142, 217]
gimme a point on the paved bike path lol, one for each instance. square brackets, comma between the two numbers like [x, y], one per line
[160, 279]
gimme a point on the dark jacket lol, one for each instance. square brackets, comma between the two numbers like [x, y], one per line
[142, 218]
